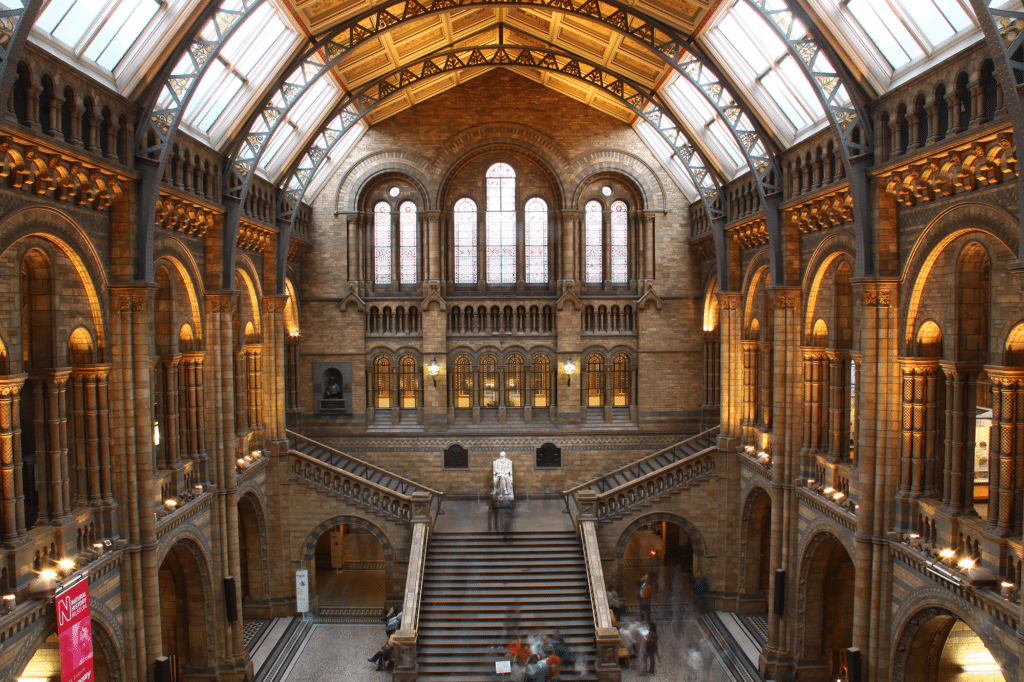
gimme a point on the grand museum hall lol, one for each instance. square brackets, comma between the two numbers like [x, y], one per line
[671, 340]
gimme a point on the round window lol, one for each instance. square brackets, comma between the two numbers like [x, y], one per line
[606, 190]
[394, 191]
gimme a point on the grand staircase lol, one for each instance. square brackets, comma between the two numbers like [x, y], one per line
[471, 580]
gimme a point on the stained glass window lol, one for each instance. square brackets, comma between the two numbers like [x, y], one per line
[382, 243]
[593, 246]
[501, 224]
[514, 381]
[489, 381]
[541, 378]
[536, 241]
[463, 382]
[620, 379]
[407, 242]
[465, 241]
[407, 381]
[595, 381]
[619, 243]
[382, 381]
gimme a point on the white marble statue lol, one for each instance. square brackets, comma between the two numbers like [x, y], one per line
[503, 478]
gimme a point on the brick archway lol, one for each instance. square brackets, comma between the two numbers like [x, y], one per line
[696, 538]
[308, 558]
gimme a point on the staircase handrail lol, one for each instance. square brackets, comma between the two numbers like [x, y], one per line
[653, 474]
[606, 637]
[414, 484]
[406, 667]
[595, 575]
[634, 463]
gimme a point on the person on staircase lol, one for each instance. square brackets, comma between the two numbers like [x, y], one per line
[644, 592]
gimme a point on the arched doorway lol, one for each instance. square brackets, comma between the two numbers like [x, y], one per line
[348, 570]
[251, 550]
[756, 569]
[664, 547]
[184, 600]
[935, 645]
[45, 661]
[826, 607]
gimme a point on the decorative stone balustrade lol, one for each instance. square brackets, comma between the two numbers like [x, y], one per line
[655, 485]
[351, 488]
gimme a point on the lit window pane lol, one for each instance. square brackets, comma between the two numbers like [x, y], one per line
[776, 87]
[501, 224]
[407, 242]
[120, 31]
[932, 22]
[536, 241]
[886, 31]
[382, 243]
[69, 26]
[593, 242]
[619, 242]
[465, 241]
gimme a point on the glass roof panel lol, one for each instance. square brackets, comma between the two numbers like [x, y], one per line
[68, 20]
[337, 155]
[704, 121]
[118, 33]
[320, 97]
[669, 160]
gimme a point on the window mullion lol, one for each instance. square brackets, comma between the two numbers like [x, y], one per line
[396, 248]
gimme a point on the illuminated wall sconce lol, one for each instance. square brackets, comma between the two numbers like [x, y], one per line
[171, 504]
[10, 601]
[156, 433]
[570, 368]
[434, 368]
[1007, 590]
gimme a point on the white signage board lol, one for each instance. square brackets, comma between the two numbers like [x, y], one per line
[502, 667]
[302, 590]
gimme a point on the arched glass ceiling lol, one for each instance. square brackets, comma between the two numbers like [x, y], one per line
[299, 126]
[108, 33]
[242, 72]
[762, 66]
[669, 159]
[693, 107]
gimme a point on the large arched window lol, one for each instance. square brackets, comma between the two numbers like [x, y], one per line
[407, 242]
[514, 381]
[595, 380]
[462, 382]
[620, 380]
[541, 381]
[536, 241]
[489, 381]
[619, 243]
[501, 224]
[408, 382]
[594, 244]
[382, 382]
[465, 241]
[382, 243]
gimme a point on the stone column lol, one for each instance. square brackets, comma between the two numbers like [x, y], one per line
[89, 380]
[918, 435]
[815, 401]
[169, 366]
[1006, 451]
[958, 472]
[12, 499]
[750, 392]
[731, 367]
[51, 421]
[838, 440]
[274, 393]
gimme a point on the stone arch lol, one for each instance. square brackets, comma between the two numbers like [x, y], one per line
[175, 253]
[187, 558]
[831, 249]
[621, 164]
[254, 583]
[367, 170]
[699, 546]
[756, 522]
[963, 218]
[822, 566]
[1013, 348]
[291, 309]
[250, 294]
[973, 298]
[759, 277]
[926, 613]
[928, 341]
[103, 640]
[308, 548]
[493, 138]
[711, 305]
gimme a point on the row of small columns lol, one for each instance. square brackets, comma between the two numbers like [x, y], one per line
[184, 433]
[757, 391]
[826, 403]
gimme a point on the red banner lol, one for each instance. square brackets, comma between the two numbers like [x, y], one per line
[74, 631]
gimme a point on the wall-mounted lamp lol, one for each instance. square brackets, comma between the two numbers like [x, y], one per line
[156, 433]
[11, 600]
[570, 369]
[433, 368]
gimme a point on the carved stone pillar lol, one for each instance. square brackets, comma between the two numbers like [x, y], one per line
[920, 391]
[168, 367]
[816, 401]
[838, 406]
[894, 139]
[55, 103]
[731, 364]
[92, 426]
[750, 392]
[92, 133]
[52, 449]
[958, 471]
[711, 380]
[12, 499]
[955, 122]
[1006, 451]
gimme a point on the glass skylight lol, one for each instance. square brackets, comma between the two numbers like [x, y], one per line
[333, 160]
[321, 96]
[240, 73]
[704, 121]
[103, 31]
[908, 30]
[668, 158]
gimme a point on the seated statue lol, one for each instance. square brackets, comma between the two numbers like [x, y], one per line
[502, 478]
[333, 390]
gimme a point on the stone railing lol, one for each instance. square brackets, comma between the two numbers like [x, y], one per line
[351, 488]
[606, 637]
[405, 640]
[992, 603]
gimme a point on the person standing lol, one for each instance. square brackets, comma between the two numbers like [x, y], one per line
[644, 592]
[650, 650]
